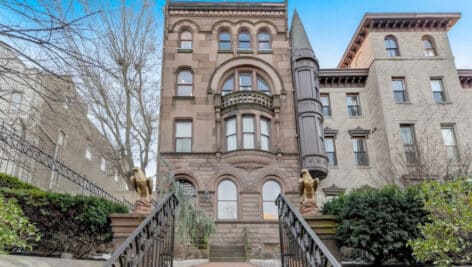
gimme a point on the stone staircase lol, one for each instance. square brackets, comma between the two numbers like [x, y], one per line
[227, 253]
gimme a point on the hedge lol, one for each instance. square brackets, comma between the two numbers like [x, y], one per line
[75, 224]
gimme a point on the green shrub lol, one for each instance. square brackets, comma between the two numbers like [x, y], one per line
[447, 239]
[13, 182]
[16, 232]
[67, 223]
[378, 222]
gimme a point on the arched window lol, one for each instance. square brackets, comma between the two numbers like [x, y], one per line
[224, 40]
[227, 201]
[185, 39]
[245, 79]
[391, 46]
[189, 190]
[228, 85]
[262, 85]
[184, 83]
[429, 49]
[244, 40]
[270, 191]
[263, 40]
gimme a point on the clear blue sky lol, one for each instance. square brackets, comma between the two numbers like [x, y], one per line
[330, 24]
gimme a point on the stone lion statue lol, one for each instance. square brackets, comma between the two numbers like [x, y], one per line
[141, 184]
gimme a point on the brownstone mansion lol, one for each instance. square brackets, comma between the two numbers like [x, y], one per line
[245, 106]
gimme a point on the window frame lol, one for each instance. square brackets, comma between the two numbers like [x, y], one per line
[365, 160]
[392, 51]
[103, 164]
[221, 41]
[272, 201]
[88, 152]
[181, 40]
[455, 147]
[442, 93]
[429, 51]
[323, 107]
[268, 135]
[244, 132]
[255, 75]
[235, 134]
[410, 150]
[404, 92]
[178, 83]
[350, 108]
[248, 42]
[268, 42]
[183, 120]
[218, 200]
[333, 153]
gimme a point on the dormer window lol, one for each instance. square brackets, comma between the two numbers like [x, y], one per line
[185, 41]
[244, 40]
[391, 46]
[429, 49]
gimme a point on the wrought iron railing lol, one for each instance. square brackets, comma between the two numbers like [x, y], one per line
[299, 245]
[247, 97]
[152, 243]
[14, 141]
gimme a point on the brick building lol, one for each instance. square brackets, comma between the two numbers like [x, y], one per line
[244, 106]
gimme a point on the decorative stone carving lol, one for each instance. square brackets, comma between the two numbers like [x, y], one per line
[307, 187]
[333, 190]
[249, 167]
[359, 132]
[143, 187]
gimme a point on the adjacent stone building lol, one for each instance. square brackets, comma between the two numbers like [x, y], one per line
[48, 112]
[244, 106]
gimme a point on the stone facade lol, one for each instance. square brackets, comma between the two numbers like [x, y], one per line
[204, 133]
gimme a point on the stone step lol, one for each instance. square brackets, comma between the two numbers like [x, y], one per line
[220, 253]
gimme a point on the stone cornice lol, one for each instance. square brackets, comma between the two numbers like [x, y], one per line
[228, 9]
[465, 78]
[396, 22]
[343, 77]
[359, 132]
[333, 190]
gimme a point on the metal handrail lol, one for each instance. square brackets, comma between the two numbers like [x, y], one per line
[10, 138]
[150, 233]
[309, 250]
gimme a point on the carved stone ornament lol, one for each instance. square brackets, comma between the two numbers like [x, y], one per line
[143, 187]
[249, 167]
[307, 187]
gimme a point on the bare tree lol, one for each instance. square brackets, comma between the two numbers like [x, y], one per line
[121, 88]
[427, 158]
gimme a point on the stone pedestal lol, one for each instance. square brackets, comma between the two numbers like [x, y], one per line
[325, 228]
[122, 225]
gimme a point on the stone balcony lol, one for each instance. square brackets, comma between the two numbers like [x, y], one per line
[247, 100]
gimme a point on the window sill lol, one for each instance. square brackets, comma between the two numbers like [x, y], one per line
[265, 51]
[357, 117]
[403, 103]
[444, 103]
[363, 167]
[245, 51]
[225, 51]
[184, 50]
[183, 98]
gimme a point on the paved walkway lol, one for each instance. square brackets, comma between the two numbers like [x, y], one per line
[226, 264]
